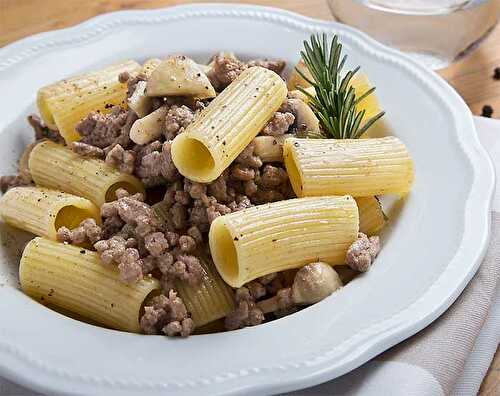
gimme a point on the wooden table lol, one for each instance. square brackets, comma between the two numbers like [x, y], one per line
[472, 77]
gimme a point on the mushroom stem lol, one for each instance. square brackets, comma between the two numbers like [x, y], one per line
[269, 305]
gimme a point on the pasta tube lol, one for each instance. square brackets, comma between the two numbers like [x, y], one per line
[282, 235]
[228, 124]
[371, 216]
[270, 148]
[212, 299]
[359, 167]
[42, 211]
[74, 279]
[55, 166]
[64, 104]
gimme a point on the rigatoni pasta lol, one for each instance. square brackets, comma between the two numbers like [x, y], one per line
[74, 279]
[359, 167]
[228, 124]
[55, 166]
[282, 235]
[64, 104]
[43, 211]
[212, 299]
[371, 216]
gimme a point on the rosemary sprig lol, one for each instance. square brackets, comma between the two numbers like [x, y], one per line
[335, 101]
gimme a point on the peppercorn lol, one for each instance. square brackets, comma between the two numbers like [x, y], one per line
[487, 111]
[496, 73]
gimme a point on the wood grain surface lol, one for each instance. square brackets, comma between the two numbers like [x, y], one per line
[471, 77]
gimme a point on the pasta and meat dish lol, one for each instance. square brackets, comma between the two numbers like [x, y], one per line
[173, 197]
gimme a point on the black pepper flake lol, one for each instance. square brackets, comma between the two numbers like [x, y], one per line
[112, 305]
[296, 144]
[224, 142]
[51, 292]
[198, 75]
[496, 73]
[275, 142]
[108, 106]
[487, 111]
[274, 240]
[236, 239]
[82, 251]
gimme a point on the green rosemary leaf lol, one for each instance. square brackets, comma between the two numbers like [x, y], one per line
[335, 100]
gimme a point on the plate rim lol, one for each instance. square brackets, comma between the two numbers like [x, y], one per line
[477, 205]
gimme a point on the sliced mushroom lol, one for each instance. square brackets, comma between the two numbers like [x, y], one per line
[149, 128]
[270, 148]
[139, 102]
[296, 94]
[179, 76]
[312, 283]
[305, 119]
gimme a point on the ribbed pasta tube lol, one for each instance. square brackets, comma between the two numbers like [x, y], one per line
[270, 148]
[75, 280]
[282, 235]
[42, 211]
[212, 299]
[65, 103]
[371, 216]
[55, 166]
[358, 167]
[228, 124]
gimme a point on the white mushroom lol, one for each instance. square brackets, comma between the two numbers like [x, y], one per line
[312, 283]
[149, 128]
[179, 76]
[305, 119]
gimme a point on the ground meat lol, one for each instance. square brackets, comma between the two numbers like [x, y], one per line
[101, 130]
[88, 230]
[87, 150]
[219, 188]
[279, 124]
[250, 188]
[241, 202]
[273, 176]
[215, 209]
[198, 216]
[187, 243]
[184, 328]
[242, 173]
[224, 71]
[168, 315]
[130, 266]
[247, 157]
[42, 131]
[257, 290]
[276, 66]
[194, 189]
[7, 182]
[176, 120]
[186, 268]
[362, 252]
[168, 169]
[111, 225]
[246, 312]
[123, 160]
[111, 250]
[156, 243]
[195, 233]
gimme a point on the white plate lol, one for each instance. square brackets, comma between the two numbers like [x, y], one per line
[432, 248]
